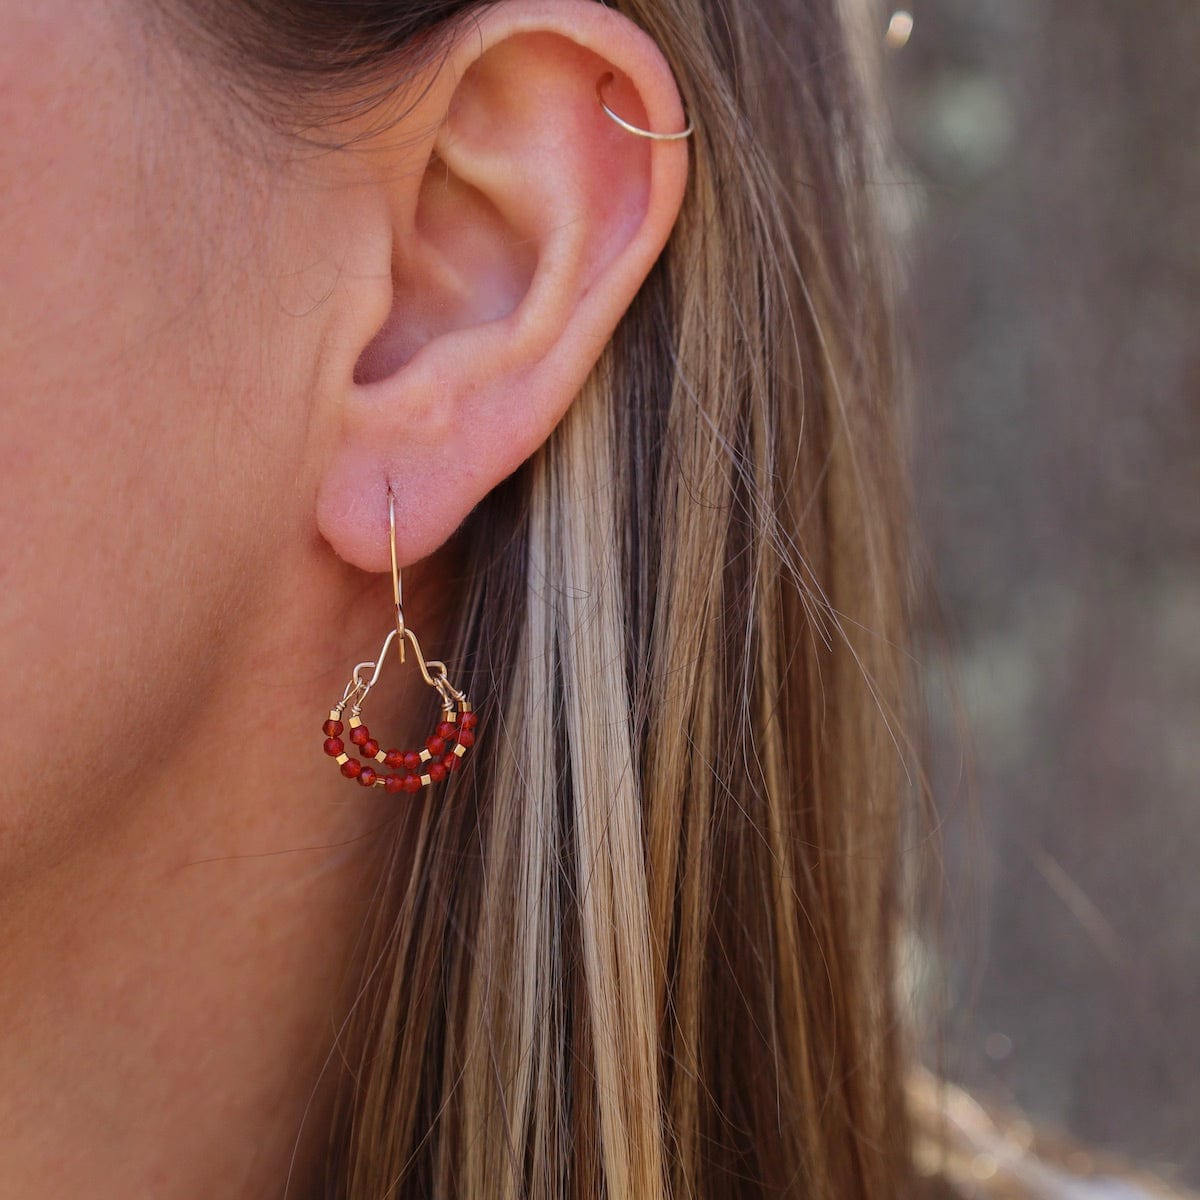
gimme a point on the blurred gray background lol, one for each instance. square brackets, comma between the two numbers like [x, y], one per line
[1051, 166]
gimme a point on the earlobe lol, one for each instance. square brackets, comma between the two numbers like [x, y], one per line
[521, 226]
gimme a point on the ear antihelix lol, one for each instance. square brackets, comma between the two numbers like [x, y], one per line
[407, 770]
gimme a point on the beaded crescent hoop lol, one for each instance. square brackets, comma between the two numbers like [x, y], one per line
[410, 770]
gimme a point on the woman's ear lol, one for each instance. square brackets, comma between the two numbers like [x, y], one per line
[509, 224]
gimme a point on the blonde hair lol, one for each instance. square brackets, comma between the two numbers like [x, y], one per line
[647, 944]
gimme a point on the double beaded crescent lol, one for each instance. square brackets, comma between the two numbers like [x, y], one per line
[410, 770]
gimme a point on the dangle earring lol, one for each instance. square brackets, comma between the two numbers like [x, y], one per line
[410, 770]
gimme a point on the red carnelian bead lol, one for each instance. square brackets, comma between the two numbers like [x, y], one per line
[412, 783]
[437, 771]
[370, 747]
[394, 758]
[359, 734]
[352, 768]
[393, 783]
[367, 776]
[450, 761]
[412, 760]
[467, 720]
[466, 737]
[434, 744]
[446, 730]
[333, 746]
[332, 728]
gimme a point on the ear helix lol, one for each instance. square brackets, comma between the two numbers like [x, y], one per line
[409, 770]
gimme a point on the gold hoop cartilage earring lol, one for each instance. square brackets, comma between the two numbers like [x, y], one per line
[409, 770]
[624, 124]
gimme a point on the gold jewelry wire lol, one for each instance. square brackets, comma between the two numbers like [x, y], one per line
[646, 133]
[397, 590]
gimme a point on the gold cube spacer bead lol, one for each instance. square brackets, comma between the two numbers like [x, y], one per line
[460, 750]
[341, 758]
[425, 755]
[335, 714]
[355, 722]
[382, 755]
[426, 780]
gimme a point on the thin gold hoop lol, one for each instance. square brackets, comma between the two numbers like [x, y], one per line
[624, 124]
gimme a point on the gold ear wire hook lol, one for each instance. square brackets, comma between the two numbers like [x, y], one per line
[402, 633]
[397, 591]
